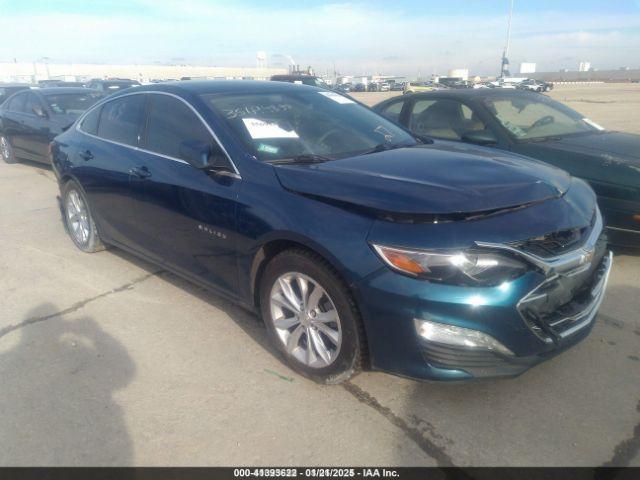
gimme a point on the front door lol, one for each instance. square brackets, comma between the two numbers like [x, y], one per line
[36, 129]
[13, 122]
[187, 216]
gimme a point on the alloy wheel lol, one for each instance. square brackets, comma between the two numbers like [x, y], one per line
[78, 217]
[305, 320]
[5, 148]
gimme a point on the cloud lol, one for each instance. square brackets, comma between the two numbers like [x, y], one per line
[357, 37]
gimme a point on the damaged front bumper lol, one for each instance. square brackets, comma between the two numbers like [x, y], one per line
[559, 333]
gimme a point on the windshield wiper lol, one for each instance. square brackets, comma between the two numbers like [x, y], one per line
[382, 147]
[305, 159]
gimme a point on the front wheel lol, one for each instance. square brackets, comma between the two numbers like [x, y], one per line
[78, 219]
[311, 317]
[6, 150]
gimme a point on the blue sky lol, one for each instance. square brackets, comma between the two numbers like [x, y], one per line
[374, 36]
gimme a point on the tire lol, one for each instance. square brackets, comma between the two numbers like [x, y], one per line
[335, 352]
[6, 150]
[78, 219]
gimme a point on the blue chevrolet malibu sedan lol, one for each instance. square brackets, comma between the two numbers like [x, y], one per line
[358, 244]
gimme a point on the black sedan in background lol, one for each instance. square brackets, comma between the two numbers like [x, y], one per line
[8, 89]
[30, 119]
[111, 86]
[536, 126]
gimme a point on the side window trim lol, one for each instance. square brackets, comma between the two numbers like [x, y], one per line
[144, 126]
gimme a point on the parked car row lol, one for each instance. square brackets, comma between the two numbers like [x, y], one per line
[520, 84]
[360, 241]
[31, 118]
[306, 79]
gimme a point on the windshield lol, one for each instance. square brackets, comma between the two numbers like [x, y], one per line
[314, 82]
[292, 124]
[118, 86]
[530, 118]
[71, 103]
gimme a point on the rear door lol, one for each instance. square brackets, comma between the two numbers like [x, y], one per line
[105, 156]
[187, 216]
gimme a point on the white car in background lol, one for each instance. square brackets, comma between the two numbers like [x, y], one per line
[531, 85]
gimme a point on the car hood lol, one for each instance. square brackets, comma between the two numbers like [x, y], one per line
[613, 143]
[442, 180]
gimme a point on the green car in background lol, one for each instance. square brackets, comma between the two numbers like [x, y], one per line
[417, 87]
[536, 126]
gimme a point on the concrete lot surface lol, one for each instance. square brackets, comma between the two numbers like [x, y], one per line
[106, 360]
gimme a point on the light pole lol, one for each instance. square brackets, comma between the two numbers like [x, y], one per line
[504, 68]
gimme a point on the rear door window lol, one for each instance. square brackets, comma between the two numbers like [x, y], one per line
[121, 119]
[170, 123]
[89, 123]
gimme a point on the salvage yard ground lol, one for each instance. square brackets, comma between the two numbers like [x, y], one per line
[107, 360]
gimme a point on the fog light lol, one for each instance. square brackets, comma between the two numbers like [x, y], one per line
[636, 218]
[458, 336]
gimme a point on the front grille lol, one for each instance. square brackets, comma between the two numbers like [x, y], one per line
[567, 302]
[554, 244]
[557, 243]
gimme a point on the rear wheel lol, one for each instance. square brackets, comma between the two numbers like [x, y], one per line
[6, 150]
[78, 219]
[311, 317]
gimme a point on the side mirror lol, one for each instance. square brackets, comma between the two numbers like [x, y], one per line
[204, 156]
[196, 153]
[219, 163]
[480, 137]
[37, 109]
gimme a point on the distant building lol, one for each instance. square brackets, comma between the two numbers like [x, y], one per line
[32, 72]
[527, 67]
[461, 73]
[584, 66]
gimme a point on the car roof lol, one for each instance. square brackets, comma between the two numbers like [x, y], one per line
[301, 75]
[49, 90]
[203, 87]
[118, 80]
[474, 93]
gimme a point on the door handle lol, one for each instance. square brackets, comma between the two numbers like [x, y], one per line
[140, 172]
[86, 155]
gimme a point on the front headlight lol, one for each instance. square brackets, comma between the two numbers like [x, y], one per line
[461, 267]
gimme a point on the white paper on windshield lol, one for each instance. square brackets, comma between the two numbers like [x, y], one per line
[336, 97]
[260, 129]
[592, 123]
